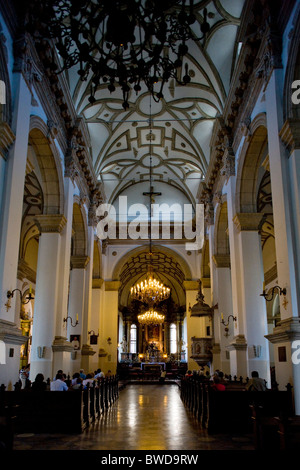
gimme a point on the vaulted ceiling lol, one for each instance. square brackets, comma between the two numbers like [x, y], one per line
[182, 121]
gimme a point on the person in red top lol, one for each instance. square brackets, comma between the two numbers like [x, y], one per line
[217, 385]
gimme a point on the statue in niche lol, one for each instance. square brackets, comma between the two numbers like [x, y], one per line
[124, 345]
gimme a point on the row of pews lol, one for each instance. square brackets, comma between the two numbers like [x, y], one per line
[29, 411]
[267, 416]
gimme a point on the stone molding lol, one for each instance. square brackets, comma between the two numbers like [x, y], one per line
[87, 350]
[221, 261]
[191, 285]
[6, 140]
[245, 221]
[112, 285]
[61, 343]
[10, 333]
[25, 272]
[287, 330]
[290, 134]
[79, 262]
[97, 283]
[238, 343]
[50, 223]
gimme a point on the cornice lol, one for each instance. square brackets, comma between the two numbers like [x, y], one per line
[245, 221]
[50, 223]
[290, 134]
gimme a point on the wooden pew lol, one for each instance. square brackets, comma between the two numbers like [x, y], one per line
[60, 412]
[229, 410]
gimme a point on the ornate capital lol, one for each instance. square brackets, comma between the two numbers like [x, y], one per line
[7, 138]
[287, 330]
[238, 343]
[112, 285]
[79, 262]
[290, 134]
[49, 223]
[221, 260]
[228, 168]
[247, 221]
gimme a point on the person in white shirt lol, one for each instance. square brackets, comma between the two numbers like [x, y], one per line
[99, 374]
[59, 385]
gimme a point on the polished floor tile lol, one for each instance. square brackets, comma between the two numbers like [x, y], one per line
[145, 417]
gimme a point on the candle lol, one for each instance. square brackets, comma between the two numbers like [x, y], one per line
[222, 316]
[77, 317]
[264, 286]
[30, 289]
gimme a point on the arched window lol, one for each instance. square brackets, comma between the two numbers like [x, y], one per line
[173, 338]
[133, 338]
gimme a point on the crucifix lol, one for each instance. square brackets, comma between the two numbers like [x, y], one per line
[151, 195]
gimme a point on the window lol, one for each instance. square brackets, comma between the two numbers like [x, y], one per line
[133, 336]
[173, 338]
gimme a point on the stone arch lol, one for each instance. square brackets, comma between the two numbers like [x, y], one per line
[184, 265]
[249, 167]
[50, 167]
[79, 226]
[169, 268]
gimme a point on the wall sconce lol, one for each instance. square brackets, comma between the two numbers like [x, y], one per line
[257, 350]
[266, 295]
[93, 337]
[41, 351]
[226, 324]
[10, 294]
[71, 321]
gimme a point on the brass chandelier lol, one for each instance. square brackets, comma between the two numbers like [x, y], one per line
[150, 291]
[119, 43]
[151, 317]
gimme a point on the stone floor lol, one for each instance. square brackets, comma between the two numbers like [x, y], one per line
[145, 417]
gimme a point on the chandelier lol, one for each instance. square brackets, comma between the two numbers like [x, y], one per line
[119, 43]
[151, 318]
[150, 291]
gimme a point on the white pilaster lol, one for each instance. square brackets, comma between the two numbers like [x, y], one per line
[45, 306]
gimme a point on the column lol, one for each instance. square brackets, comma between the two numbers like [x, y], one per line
[109, 326]
[254, 306]
[284, 171]
[238, 345]
[76, 307]
[193, 325]
[223, 299]
[61, 346]
[14, 142]
[86, 350]
[47, 286]
[95, 317]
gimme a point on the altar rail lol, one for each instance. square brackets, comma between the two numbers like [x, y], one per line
[230, 410]
[57, 412]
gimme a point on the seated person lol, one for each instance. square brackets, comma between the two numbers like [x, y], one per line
[256, 384]
[217, 385]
